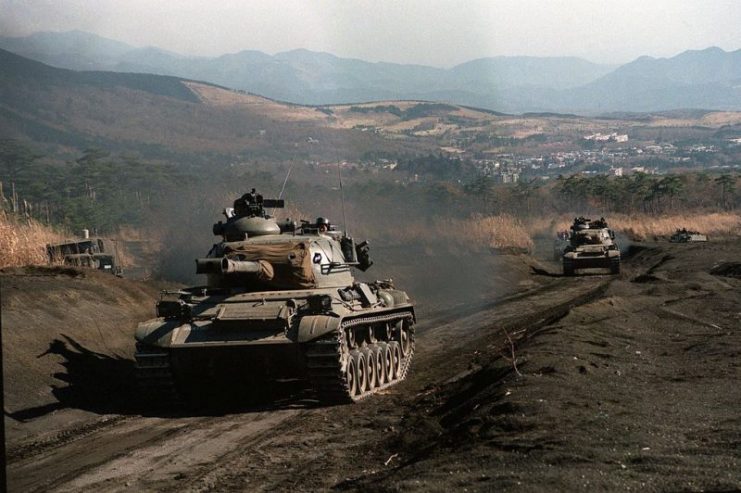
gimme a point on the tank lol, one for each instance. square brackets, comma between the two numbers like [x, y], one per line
[685, 236]
[591, 246]
[280, 302]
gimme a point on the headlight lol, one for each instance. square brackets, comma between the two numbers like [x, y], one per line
[320, 303]
[173, 309]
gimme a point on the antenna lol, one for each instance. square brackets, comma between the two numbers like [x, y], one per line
[283, 188]
[342, 196]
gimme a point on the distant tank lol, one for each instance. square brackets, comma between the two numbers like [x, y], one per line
[280, 302]
[685, 236]
[591, 245]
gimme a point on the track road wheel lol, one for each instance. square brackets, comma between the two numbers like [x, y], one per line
[405, 339]
[362, 371]
[378, 355]
[395, 351]
[351, 375]
[371, 368]
[388, 362]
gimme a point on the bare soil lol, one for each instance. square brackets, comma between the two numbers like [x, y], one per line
[534, 382]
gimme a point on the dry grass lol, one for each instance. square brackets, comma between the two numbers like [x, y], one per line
[714, 225]
[280, 111]
[645, 226]
[24, 243]
[474, 233]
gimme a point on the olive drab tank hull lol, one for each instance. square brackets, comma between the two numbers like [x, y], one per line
[278, 305]
[591, 246]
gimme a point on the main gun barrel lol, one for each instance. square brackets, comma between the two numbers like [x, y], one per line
[229, 266]
[225, 266]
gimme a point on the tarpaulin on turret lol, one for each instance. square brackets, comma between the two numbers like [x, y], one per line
[291, 262]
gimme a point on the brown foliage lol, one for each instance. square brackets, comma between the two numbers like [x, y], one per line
[24, 242]
[474, 233]
[646, 226]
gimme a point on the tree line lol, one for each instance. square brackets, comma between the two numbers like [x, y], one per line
[94, 191]
[102, 192]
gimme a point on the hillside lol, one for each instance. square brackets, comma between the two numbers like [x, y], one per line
[49, 312]
[183, 120]
[157, 116]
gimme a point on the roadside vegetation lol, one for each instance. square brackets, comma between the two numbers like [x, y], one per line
[641, 227]
[647, 227]
[23, 242]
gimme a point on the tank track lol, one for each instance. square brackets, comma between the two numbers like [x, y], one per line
[155, 379]
[327, 361]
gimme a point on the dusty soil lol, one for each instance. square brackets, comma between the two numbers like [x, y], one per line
[547, 383]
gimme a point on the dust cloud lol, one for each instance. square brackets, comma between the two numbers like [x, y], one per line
[435, 272]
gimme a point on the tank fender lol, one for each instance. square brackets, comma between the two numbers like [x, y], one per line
[386, 298]
[314, 326]
[393, 297]
[157, 331]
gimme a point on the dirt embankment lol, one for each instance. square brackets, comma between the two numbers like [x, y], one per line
[64, 330]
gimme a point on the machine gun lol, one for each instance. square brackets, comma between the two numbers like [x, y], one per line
[253, 204]
[248, 217]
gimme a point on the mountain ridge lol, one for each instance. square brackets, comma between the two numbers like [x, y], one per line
[707, 77]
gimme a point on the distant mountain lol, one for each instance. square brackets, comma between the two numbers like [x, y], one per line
[307, 77]
[74, 50]
[709, 79]
[513, 72]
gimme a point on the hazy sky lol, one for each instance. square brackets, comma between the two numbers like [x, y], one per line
[431, 32]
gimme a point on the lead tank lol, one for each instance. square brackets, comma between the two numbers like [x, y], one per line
[280, 302]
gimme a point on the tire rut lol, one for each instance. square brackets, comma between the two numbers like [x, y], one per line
[206, 477]
[24, 451]
[60, 459]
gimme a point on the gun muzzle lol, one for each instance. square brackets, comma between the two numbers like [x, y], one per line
[208, 265]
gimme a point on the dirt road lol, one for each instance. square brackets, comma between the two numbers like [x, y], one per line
[595, 382]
